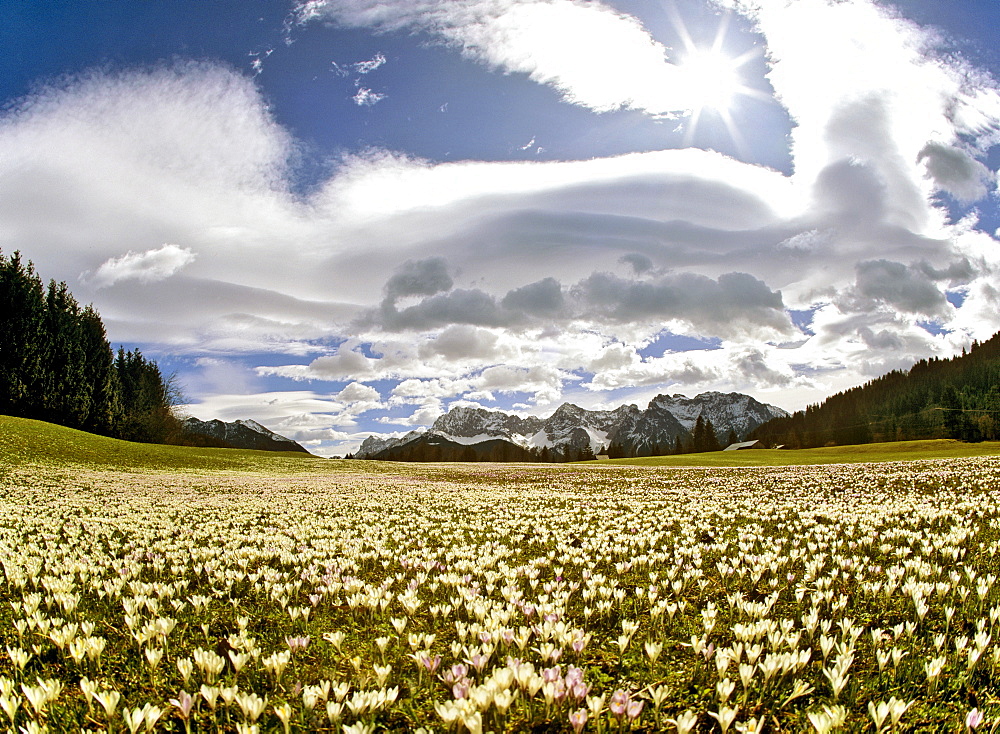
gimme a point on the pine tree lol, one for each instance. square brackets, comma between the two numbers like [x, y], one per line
[952, 408]
[699, 441]
[22, 338]
[147, 399]
[711, 440]
[66, 395]
[100, 375]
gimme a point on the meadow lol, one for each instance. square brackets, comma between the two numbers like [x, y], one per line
[240, 592]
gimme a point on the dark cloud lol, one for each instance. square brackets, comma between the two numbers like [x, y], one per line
[713, 305]
[734, 297]
[954, 171]
[460, 306]
[639, 262]
[882, 340]
[905, 288]
[419, 278]
[543, 297]
[958, 273]
[753, 365]
[461, 342]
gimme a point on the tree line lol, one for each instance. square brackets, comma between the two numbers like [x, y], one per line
[702, 438]
[956, 397]
[57, 365]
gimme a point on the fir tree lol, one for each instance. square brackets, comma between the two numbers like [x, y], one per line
[699, 439]
[22, 338]
[711, 440]
[66, 396]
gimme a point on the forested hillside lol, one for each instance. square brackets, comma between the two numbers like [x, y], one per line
[56, 364]
[936, 398]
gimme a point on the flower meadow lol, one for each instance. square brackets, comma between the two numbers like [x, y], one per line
[475, 598]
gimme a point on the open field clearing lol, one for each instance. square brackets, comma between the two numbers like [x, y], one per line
[501, 597]
[941, 448]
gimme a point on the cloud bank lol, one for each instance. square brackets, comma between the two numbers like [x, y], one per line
[474, 279]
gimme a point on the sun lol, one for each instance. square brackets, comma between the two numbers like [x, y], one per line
[711, 79]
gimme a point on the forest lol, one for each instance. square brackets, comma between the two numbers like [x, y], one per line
[956, 398]
[57, 365]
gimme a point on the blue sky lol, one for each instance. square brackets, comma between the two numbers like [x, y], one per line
[340, 218]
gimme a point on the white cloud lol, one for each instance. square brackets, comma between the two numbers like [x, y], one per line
[365, 97]
[575, 265]
[590, 53]
[357, 392]
[144, 267]
[372, 64]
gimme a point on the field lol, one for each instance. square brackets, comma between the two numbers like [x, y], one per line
[146, 590]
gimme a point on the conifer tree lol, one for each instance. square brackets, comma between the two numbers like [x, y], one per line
[22, 338]
[711, 440]
[66, 396]
[100, 376]
[56, 364]
[699, 441]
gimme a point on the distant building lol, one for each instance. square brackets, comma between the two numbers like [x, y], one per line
[744, 445]
[603, 457]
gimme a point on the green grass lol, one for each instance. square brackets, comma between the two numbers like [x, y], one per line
[872, 452]
[25, 442]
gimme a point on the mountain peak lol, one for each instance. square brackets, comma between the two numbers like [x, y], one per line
[240, 434]
[570, 428]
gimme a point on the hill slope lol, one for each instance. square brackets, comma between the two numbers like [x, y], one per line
[25, 442]
[937, 398]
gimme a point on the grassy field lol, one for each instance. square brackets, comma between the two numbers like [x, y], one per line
[26, 442]
[874, 452]
[150, 588]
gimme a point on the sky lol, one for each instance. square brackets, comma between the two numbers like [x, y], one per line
[344, 217]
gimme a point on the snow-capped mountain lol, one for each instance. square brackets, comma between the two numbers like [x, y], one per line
[376, 444]
[240, 434]
[570, 427]
[464, 423]
[727, 411]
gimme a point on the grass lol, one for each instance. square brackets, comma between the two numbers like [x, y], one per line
[863, 453]
[364, 596]
[25, 442]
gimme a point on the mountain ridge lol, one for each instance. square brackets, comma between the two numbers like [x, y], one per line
[239, 434]
[571, 428]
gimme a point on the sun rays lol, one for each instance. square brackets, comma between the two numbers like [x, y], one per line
[712, 80]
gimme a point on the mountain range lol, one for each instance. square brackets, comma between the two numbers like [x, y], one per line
[240, 434]
[571, 428]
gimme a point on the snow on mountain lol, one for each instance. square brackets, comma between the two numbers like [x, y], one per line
[243, 434]
[467, 422]
[727, 411]
[375, 444]
[570, 427]
[255, 426]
